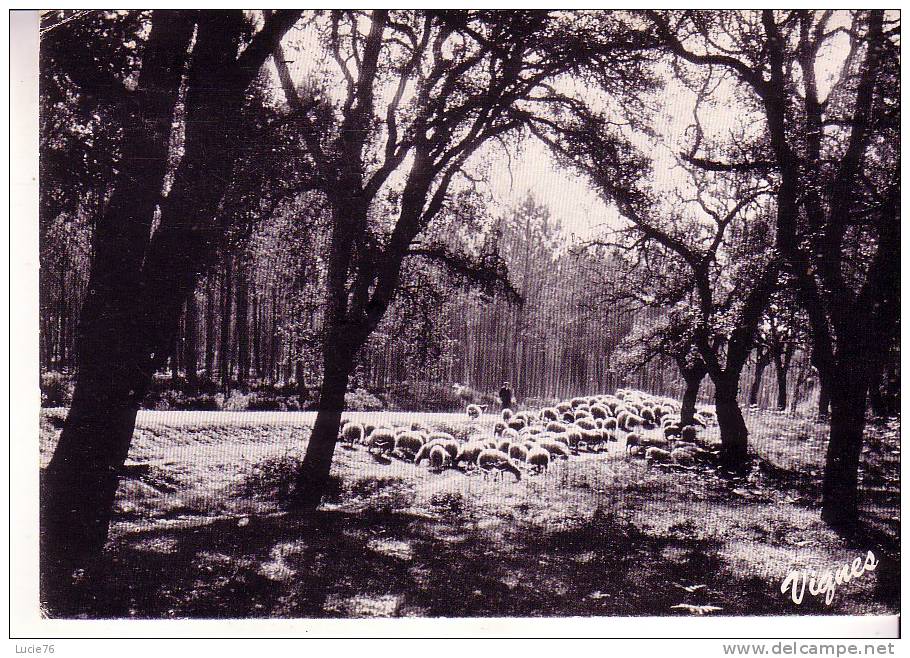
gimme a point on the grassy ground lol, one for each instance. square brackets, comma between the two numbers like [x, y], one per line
[200, 529]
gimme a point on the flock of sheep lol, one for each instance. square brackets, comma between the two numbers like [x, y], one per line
[530, 440]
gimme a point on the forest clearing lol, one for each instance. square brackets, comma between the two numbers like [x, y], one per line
[201, 531]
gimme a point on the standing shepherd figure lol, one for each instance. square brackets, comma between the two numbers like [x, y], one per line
[505, 395]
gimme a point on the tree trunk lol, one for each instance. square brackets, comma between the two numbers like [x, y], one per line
[210, 329]
[317, 463]
[243, 327]
[840, 496]
[191, 345]
[81, 480]
[733, 433]
[781, 372]
[761, 363]
[693, 378]
[227, 298]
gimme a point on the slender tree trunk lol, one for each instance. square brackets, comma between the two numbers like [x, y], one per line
[840, 496]
[733, 433]
[257, 327]
[761, 363]
[227, 298]
[243, 327]
[191, 345]
[314, 472]
[210, 329]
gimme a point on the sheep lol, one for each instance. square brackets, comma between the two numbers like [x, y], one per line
[408, 444]
[574, 437]
[599, 411]
[439, 458]
[352, 433]
[563, 407]
[382, 440]
[656, 455]
[621, 418]
[580, 414]
[449, 445]
[632, 421]
[655, 441]
[577, 402]
[474, 411]
[681, 456]
[549, 413]
[647, 415]
[555, 426]
[592, 438]
[368, 429]
[444, 436]
[493, 460]
[507, 414]
[518, 452]
[568, 417]
[499, 427]
[609, 424]
[698, 419]
[689, 433]
[517, 424]
[503, 445]
[469, 451]
[586, 424]
[671, 430]
[510, 434]
[633, 440]
[418, 426]
[555, 448]
[538, 459]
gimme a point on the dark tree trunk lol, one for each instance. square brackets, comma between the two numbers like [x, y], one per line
[138, 285]
[317, 463]
[81, 480]
[840, 496]
[191, 345]
[760, 364]
[227, 297]
[781, 372]
[243, 327]
[693, 377]
[176, 348]
[210, 329]
[257, 327]
[733, 433]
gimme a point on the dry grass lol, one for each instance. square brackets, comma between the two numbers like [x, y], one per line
[204, 532]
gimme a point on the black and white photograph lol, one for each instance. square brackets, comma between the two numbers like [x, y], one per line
[467, 313]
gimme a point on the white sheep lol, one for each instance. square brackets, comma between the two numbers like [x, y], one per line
[494, 461]
[539, 459]
[439, 458]
[381, 440]
[474, 411]
[352, 433]
[657, 455]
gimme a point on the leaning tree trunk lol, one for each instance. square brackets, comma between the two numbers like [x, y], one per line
[313, 476]
[840, 496]
[733, 433]
[81, 480]
[138, 283]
